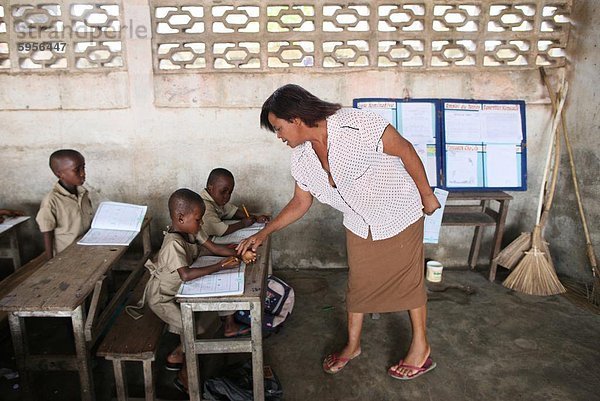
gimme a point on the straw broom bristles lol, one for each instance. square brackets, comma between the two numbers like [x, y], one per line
[534, 275]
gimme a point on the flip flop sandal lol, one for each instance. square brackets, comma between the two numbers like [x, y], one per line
[331, 360]
[427, 366]
[174, 366]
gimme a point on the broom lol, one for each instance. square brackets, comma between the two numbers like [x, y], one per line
[514, 252]
[594, 297]
[534, 274]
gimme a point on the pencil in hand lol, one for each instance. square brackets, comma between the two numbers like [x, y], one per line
[246, 211]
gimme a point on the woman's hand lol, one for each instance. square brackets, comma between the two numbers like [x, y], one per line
[430, 204]
[251, 243]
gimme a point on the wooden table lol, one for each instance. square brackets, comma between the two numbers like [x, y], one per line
[12, 251]
[60, 288]
[252, 299]
[480, 216]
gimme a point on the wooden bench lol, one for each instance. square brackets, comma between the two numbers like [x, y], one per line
[16, 278]
[479, 216]
[133, 340]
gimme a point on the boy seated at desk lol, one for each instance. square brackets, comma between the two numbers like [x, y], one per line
[216, 195]
[180, 248]
[66, 212]
[9, 213]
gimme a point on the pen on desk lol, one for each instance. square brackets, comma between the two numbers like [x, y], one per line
[245, 211]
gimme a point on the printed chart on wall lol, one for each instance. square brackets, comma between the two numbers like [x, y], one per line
[415, 120]
[484, 144]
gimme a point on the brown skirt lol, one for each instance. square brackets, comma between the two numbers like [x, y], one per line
[386, 275]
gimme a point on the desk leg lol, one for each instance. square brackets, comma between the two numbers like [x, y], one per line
[502, 212]
[189, 339]
[84, 358]
[14, 249]
[476, 244]
[19, 339]
[257, 350]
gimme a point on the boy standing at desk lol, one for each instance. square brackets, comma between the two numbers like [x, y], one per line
[216, 195]
[179, 250]
[66, 212]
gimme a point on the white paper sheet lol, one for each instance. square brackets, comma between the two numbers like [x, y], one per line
[222, 283]
[463, 126]
[461, 166]
[433, 223]
[502, 123]
[237, 236]
[115, 224]
[418, 122]
[431, 166]
[501, 166]
[10, 222]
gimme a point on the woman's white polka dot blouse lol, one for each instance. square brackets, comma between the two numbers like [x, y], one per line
[373, 190]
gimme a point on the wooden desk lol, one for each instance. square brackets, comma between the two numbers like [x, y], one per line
[253, 300]
[12, 251]
[480, 215]
[59, 289]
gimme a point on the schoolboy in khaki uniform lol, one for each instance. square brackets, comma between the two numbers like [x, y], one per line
[179, 249]
[216, 195]
[66, 212]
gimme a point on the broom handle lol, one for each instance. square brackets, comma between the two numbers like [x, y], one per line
[550, 192]
[554, 126]
[589, 246]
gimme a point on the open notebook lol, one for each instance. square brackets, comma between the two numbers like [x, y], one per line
[237, 236]
[223, 282]
[114, 224]
[10, 222]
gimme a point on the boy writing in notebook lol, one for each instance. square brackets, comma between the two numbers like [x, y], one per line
[66, 212]
[216, 195]
[180, 248]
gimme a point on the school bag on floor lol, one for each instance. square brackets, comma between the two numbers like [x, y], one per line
[279, 302]
[236, 384]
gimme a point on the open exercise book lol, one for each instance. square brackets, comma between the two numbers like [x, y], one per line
[115, 224]
[237, 236]
[223, 282]
[10, 222]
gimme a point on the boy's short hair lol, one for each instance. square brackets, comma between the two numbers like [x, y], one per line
[217, 173]
[61, 154]
[183, 201]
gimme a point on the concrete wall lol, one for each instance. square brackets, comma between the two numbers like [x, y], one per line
[144, 136]
[565, 231]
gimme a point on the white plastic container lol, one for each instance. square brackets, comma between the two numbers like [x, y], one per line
[434, 271]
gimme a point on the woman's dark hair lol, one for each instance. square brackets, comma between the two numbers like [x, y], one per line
[292, 101]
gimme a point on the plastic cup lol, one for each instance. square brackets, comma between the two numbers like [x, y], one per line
[434, 271]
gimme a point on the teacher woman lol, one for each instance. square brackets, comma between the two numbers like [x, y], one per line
[355, 161]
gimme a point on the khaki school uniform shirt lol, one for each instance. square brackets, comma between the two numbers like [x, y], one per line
[69, 216]
[177, 250]
[215, 214]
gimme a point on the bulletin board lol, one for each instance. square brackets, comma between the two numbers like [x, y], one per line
[416, 119]
[474, 145]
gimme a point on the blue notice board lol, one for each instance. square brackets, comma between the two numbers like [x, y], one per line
[474, 145]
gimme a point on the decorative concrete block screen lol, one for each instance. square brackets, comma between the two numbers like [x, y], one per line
[266, 36]
[58, 35]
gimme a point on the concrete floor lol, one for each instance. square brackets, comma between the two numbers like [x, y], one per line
[493, 344]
